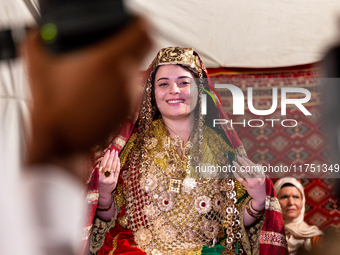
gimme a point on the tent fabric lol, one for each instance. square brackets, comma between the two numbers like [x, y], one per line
[14, 96]
[14, 112]
[228, 33]
[17, 235]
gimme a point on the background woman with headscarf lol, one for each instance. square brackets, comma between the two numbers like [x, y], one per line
[292, 200]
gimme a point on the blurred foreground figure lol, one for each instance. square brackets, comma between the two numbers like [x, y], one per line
[79, 98]
[331, 93]
[82, 96]
[330, 245]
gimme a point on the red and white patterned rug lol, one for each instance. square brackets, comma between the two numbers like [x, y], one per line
[277, 145]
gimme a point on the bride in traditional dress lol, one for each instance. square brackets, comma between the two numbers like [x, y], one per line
[147, 193]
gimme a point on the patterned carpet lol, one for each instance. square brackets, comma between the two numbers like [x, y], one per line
[286, 146]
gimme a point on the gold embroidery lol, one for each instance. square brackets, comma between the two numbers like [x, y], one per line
[159, 154]
[240, 190]
[199, 252]
[254, 233]
[177, 55]
[151, 143]
[272, 203]
[119, 196]
[119, 141]
[213, 145]
[92, 197]
[245, 240]
[273, 238]
[241, 151]
[143, 236]
[175, 185]
[123, 221]
[184, 220]
[99, 230]
[125, 152]
[114, 245]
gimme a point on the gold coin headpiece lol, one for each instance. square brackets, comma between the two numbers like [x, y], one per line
[178, 55]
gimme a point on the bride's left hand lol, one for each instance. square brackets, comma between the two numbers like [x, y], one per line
[254, 182]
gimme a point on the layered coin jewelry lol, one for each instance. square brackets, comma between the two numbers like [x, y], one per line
[178, 158]
[171, 213]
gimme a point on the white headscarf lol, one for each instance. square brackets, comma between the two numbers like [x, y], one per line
[298, 232]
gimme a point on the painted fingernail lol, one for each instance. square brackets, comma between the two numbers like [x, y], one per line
[108, 152]
[112, 152]
[116, 153]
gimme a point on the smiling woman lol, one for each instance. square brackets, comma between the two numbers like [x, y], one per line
[159, 204]
[173, 90]
[176, 94]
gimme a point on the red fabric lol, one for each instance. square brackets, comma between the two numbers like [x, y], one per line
[93, 182]
[124, 242]
[243, 71]
[273, 223]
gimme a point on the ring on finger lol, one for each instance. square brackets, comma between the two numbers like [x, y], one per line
[106, 172]
[258, 169]
[252, 174]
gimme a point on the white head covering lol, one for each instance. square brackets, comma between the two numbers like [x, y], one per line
[298, 232]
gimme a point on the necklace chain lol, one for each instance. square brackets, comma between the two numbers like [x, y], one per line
[167, 127]
[178, 154]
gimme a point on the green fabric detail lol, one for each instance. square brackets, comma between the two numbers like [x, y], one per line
[231, 156]
[237, 247]
[212, 250]
[208, 92]
[241, 198]
[221, 133]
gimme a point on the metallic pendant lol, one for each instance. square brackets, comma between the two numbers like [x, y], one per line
[175, 185]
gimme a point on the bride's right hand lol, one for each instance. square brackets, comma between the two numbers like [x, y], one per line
[108, 175]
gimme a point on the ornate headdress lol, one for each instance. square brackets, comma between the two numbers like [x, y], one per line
[189, 58]
[181, 56]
